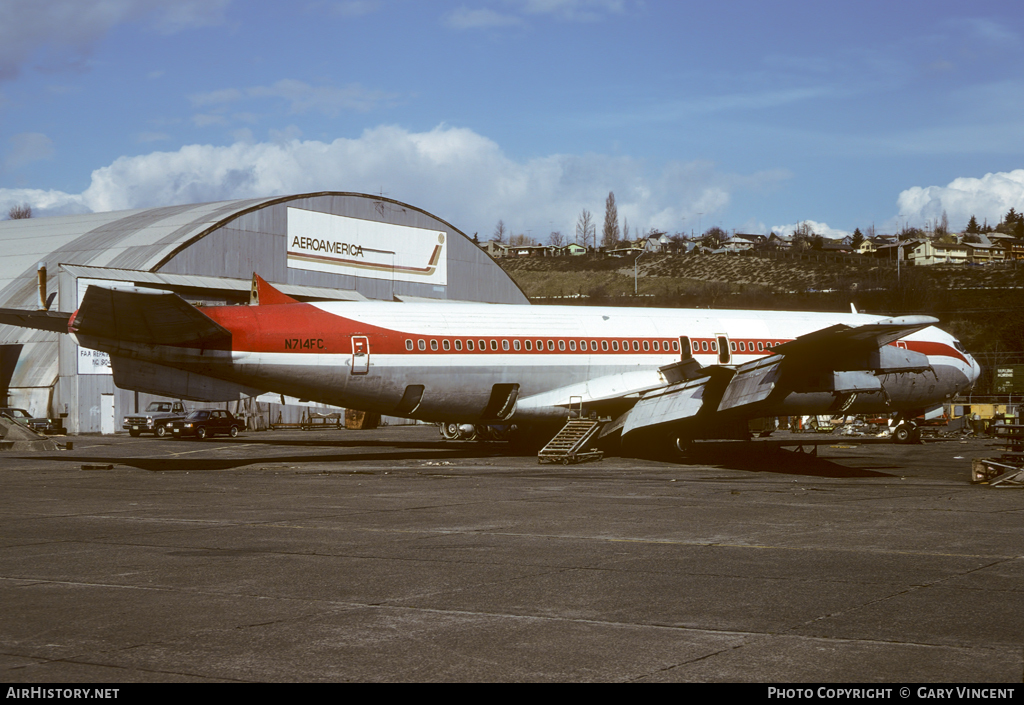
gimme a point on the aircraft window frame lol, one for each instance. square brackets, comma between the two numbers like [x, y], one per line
[482, 345]
[572, 345]
[647, 346]
[732, 345]
[604, 346]
[421, 344]
[593, 345]
[540, 345]
[583, 345]
[458, 345]
[714, 346]
[494, 345]
[561, 346]
[504, 344]
[675, 346]
[551, 345]
[615, 346]
[528, 344]
[656, 344]
[636, 346]
[703, 345]
[760, 346]
[433, 345]
[516, 345]
[446, 345]
[743, 346]
[408, 344]
[469, 345]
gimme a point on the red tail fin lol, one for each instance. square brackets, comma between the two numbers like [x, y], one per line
[263, 294]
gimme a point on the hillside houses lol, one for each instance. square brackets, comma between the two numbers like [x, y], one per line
[920, 251]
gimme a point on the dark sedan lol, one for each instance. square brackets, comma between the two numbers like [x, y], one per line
[39, 425]
[203, 423]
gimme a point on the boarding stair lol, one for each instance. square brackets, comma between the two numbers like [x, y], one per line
[567, 447]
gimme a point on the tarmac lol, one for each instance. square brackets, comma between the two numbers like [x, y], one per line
[389, 555]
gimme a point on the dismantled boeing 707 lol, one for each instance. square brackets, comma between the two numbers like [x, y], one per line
[661, 375]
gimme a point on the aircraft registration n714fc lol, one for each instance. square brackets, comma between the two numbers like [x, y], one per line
[663, 376]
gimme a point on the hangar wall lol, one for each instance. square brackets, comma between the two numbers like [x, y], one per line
[205, 252]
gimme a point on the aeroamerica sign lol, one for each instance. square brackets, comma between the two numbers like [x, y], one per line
[336, 244]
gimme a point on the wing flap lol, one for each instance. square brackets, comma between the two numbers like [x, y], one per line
[753, 382]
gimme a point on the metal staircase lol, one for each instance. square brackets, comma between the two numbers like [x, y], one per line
[568, 444]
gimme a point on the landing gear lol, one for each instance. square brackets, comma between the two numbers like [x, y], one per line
[906, 432]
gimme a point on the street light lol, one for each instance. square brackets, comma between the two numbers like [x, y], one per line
[635, 285]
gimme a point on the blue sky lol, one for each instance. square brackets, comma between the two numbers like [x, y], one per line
[749, 115]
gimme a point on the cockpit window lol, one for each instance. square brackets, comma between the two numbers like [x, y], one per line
[959, 346]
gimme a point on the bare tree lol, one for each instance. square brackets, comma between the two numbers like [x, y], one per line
[586, 231]
[521, 240]
[610, 235]
[20, 212]
[625, 229]
[556, 239]
[500, 232]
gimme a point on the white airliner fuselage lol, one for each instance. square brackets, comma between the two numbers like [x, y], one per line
[676, 371]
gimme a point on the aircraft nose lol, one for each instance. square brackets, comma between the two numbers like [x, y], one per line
[975, 370]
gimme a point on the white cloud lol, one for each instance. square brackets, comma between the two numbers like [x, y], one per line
[574, 10]
[65, 31]
[43, 202]
[453, 172]
[480, 18]
[568, 10]
[989, 197]
[817, 228]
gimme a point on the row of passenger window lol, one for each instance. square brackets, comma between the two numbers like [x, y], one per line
[742, 346]
[541, 345]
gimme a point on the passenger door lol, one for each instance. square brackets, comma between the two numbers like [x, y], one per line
[360, 355]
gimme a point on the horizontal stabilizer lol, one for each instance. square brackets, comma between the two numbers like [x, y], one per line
[154, 317]
[39, 320]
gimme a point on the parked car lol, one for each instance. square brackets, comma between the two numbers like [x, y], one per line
[37, 424]
[203, 423]
[155, 418]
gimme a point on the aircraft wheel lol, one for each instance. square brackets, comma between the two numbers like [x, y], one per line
[906, 433]
[500, 433]
[160, 431]
[684, 447]
[449, 431]
[467, 432]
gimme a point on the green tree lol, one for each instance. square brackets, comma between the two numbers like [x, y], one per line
[857, 240]
[972, 226]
